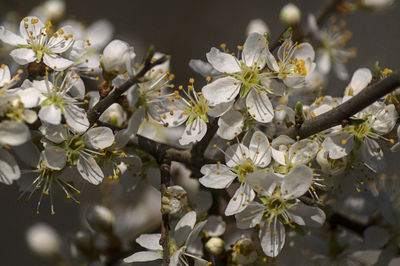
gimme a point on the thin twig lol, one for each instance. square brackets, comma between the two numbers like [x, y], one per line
[94, 113]
[165, 170]
[347, 109]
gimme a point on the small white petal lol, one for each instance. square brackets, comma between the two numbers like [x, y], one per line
[76, 118]
[50, 114]
[272, 237]
[23, 56]
[215, 226]
[9, 170]
[296, 182]
[302, 214]
[260, 150]
[99, 137]
[54, 157]
[216, 176]
[259, 106]
[143, 256]
[203, 68]
[149, 241]
[239, 201]
[230, 124]
[223, 62]
[184, 226]
[89, 169]
[193, 235]
[14, 133]
[57, 62]
[222, 90]
[255, 50]
[193, 132]
[251, 216]
[10, 38]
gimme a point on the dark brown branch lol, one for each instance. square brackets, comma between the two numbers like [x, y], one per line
[347, 109]
[165, 170]
[94, 113]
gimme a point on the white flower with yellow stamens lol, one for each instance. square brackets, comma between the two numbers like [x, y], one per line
[36, 44]
[241, 161]
[62, 147]
[279, 205]
[243, 77]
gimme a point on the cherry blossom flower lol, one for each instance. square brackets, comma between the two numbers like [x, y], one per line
[34, 43]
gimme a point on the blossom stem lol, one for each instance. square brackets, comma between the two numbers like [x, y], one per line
[165, 169]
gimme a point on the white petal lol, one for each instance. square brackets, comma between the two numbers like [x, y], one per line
[54, 157]
[99, 137]
[303, 151]
[150, 241]
[175, 258]
[305, 51]
[10, 38]
[251, 216]
[375, 236]
[259, 106]
[14, 133]
[279, 156]
[9, 170]
[57, 62]
[223, 62]
[89, 169]
[50, 114]
[361, 78]
[239, 201]
[323, 61]
[302, 214]
[123, 136]
[220, 109]
[23, 56]
[222, 90]
[272, 237]
[215, 226]
[143, 256]
[271, 62]
[216, 176]
[255, 50]
[30, 97]
[183, 228]
[263, 182]
[62, 42]
[76, 118]
[193, 235]
[338, 146]
[260, 150]
[230, 124]
[203, 68]
[236, 154]
[372, 155]
[34, 28]
[296, 182]
[99, 33]
[55, 133]
[194, 132]
[384, 120]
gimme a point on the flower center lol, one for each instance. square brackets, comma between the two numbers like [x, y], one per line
[245, 168]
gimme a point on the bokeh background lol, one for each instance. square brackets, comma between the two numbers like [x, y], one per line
[185, 30]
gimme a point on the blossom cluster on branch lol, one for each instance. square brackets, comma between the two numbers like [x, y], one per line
[242, 165]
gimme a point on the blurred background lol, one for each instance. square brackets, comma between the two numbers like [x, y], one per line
[185, 30]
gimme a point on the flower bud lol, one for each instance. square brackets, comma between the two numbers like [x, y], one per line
[174, 200]
[114, 115]
[118, 58]
[100, 219]
[244, 252]
[215, 246]
[377, 4]
[290, 15]
[53, 9]
[43, 240]
[258, 26]
[83, 241]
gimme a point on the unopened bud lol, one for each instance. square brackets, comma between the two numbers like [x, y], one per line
[290, 15]
[258, 26]
[215, 246]
[100, 219]
[43, 240]
[83, 241]
[378, 5]
[118, 58]
[53, 9]
[244, 252]
[174, 200]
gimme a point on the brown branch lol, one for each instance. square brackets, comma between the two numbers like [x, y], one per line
[94, 113]
[165, 170]
[347, 109]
